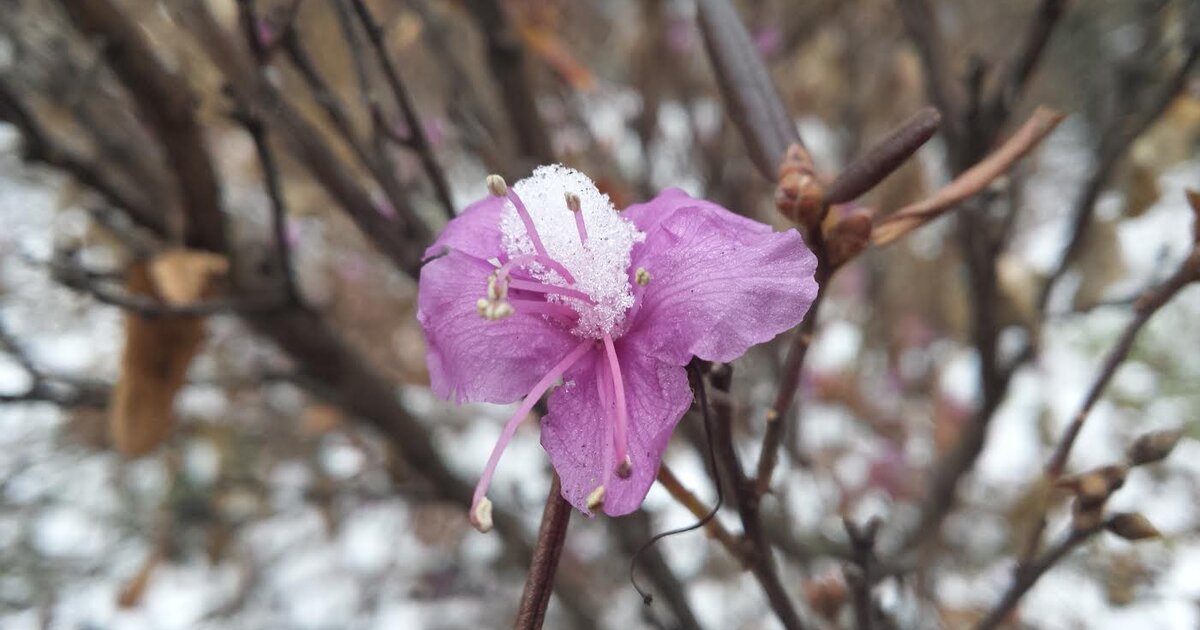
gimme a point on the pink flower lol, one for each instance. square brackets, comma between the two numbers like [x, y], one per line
[547, 281]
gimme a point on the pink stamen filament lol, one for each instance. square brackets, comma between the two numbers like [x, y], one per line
[622, 426]
[537, 287]
[506, 268]
[523, 212]
[510, 427]
[581, 227]
[545, 308]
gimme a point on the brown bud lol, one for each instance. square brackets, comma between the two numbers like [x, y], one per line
[1091, 488]
[1132, 526]
[1153, 447]
[847, 235]
[799, 195]
[826, 596]
[1086, 517]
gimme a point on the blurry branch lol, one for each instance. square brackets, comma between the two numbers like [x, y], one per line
[506, 59]
[922, 24]
[970, 182]
[283, 247]
[734, 545]
[88, 282]
[751, 98]
[1026, 57]
[860, 572]
[1146, 306]
[167, 105]
[633, 530]
[63, 392]
[1126, 126]
[869, 169]
[1027, 575]
[417, 138]
[552, 536]
[40, 146]
[759, 551]
[255, 93]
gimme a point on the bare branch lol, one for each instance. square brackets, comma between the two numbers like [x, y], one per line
[552, 535]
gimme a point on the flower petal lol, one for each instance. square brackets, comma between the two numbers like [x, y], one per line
[646, 216]
[476, 231]
[720, 283]
[475, 359]
[578, 431]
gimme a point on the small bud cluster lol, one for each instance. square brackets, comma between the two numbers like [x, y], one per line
[1093, 488]
[847, 232]
[799, 195]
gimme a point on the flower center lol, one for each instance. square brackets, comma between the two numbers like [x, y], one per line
[566, 247]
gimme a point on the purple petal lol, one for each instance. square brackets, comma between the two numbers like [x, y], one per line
[578, 431]
[475, 231]
[720, 283]
[472, 358]
[646, 216]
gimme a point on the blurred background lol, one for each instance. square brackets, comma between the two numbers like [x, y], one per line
[273, 457]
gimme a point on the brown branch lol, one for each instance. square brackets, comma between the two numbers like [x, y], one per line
[552, 535]
[1147, 305]
[1114, 144]
[922, 25]
[283, 247]
[751, 98]
[733, 544]
[870, 168]
[418, 140]
[1025, 60]
[167, 105]
[1026, 575]
[747, 500]
[506, 61]
[861, 571]
[971, 182]
[255, 93]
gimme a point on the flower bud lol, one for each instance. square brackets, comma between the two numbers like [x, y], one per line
[1153, 447]
[826, 596]
[847, 234]
[799, 195]
[1132, 526]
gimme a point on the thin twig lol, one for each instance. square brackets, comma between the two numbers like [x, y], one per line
[732, 543]
[1026, 575]
[418, 140]
[552, 535]
[283, 247]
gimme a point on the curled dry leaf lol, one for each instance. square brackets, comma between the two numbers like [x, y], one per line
[158, 351]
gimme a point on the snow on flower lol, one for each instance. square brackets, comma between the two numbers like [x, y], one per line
[547, 281]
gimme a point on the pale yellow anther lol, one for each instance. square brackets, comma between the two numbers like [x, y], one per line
[482, 306]
[481, 516]
[642, 276]
[496, 185]
[573, 202]
[500, 310]
[596, 498]
[625, 468]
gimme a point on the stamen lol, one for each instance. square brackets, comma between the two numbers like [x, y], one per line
[498, 187]
[642, 276]
[596, 498]
[537, 287]
[545, 308]
[625, 467]
[576, 207]
[480, 505]
[506, 269]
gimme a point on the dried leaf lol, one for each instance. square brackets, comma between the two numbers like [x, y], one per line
[182, 276]
[154, 365]
[131, 594]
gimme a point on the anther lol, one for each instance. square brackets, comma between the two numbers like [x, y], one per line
[576, 207]
[625, 468]
[573, 203]
[482, 306]
[481, 516]
[642, 276]
[596, 498]
[497, 186]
